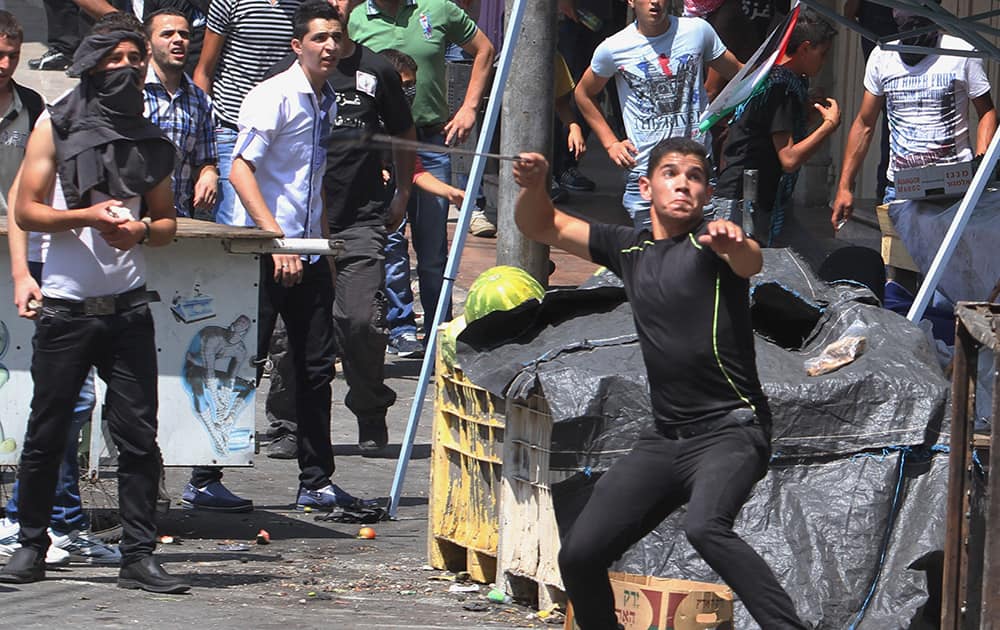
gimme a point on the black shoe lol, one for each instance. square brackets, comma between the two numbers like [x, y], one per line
[51, 60]
[557, 193]
[26, 565]
[373, 436]
[573, 179]
[147, 574]
[283, 447]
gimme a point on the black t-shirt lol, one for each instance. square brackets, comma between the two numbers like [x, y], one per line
[750, 144]
[370, 100]
[692, 315]
[196, 12]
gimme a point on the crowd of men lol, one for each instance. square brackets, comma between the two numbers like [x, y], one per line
[193, 112]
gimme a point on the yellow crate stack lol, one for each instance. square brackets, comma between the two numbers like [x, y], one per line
[466, 462]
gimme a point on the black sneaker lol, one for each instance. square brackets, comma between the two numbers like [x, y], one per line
[573, 179]
[373, 436]
[283, 447]
[405, 346]
[557, 193]
[51, 60]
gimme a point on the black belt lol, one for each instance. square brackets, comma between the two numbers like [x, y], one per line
[700, 427]
[227, 124]
[104, 304]
[426, 132]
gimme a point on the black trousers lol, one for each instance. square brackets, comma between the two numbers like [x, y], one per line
[123, 349]
[306, 310]
[359, 311]
[713, 474]
[66, 24]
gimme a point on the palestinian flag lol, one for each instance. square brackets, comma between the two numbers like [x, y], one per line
[752, 74]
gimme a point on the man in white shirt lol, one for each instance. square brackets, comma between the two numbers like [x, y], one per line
[277, 172]
[658, 63]
[927, 101]
[95, 309]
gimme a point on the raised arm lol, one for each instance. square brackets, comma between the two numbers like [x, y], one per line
[793, 155]
[858, 140]
[535, 215]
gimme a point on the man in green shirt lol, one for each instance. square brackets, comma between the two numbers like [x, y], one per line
[423, 29]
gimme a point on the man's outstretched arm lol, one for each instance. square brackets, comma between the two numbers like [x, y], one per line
[535, 215]
[727, 239]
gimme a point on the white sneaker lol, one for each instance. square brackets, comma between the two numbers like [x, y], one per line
[82, 547]
[481, 226]
[9, 530]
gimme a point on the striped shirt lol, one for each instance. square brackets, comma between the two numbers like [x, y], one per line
[186, 118]
[258, 34]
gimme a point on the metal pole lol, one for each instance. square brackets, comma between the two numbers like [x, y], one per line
[527, 126]
[514, 18]
[947, 248]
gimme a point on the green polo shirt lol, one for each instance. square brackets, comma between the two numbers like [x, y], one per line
[422, 29]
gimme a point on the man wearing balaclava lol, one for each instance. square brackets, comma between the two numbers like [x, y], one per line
[927, 99]
[96, 178]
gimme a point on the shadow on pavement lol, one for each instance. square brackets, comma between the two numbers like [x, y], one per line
[391, 451]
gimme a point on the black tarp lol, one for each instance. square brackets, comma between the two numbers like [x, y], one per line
[833, 495]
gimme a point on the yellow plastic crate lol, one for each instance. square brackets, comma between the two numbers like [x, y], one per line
[466, 461]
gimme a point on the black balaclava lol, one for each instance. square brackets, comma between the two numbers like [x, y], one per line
[103, 142]
[907, 21]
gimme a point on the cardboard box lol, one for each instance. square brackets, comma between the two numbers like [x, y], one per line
[927, 182]
[649, 603]
[894, 252]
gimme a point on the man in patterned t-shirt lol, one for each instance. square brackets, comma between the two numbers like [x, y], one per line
[710, 439]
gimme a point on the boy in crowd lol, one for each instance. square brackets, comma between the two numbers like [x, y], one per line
[770, 132]
[658, 63]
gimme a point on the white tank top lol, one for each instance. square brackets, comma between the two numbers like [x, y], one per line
[80, 264]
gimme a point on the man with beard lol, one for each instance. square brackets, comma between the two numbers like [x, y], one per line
[183, 111]
[927, 101]
[87, 174]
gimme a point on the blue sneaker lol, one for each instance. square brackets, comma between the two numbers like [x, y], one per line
[329, 497]
[214, 497]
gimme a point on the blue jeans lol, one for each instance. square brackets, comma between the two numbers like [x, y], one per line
[427, 216]
[890, 193]
[225, 139]
[635, 205]
[67, 509]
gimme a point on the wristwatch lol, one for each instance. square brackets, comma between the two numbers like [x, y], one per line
[145, 235]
